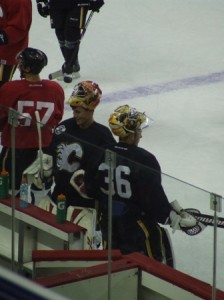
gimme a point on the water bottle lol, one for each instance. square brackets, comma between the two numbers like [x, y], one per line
[4, 185]
[61, 209]
[24, 193]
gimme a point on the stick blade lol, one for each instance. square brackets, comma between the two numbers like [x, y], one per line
[55, 74]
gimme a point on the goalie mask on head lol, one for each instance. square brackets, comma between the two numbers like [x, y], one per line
[86, 94]
[125, 120]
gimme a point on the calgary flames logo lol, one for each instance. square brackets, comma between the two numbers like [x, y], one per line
[69, 156]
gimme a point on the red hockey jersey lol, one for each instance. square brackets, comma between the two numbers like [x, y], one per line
[45, 96]
[15, 20]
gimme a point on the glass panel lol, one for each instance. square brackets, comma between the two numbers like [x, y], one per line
[192, 254]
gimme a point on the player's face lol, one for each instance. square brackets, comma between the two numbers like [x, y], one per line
[83, 117]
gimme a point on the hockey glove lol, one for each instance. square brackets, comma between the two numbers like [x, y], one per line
[181, 220]
[43, 8]
[95, 5]
[3, 38]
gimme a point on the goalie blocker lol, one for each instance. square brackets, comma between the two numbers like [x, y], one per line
[181, 219]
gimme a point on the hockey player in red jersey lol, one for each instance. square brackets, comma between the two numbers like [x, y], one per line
[28, 95]
[15, 22]
[68, 19]
[139, 202]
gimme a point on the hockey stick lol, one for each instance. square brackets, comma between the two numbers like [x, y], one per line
[205, 219]
[86, 25]
[59, 73]
[39, 141]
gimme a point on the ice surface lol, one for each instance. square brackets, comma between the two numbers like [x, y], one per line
[164, 57]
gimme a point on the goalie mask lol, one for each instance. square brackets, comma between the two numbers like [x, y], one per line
[33, 59]
[86, 94]
[125, 120]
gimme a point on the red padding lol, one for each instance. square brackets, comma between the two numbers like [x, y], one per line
[184, 281]
[175, 277]
[44, 216]
[85, 273]
[64, 255]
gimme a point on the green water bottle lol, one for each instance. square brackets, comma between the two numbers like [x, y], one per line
[4, 185]
[61, 209]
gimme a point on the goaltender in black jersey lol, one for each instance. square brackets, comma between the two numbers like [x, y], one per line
[73, 142]
[139, 203]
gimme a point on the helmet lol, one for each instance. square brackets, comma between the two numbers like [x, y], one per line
[86, 94]
[32, 58]
[125, 120]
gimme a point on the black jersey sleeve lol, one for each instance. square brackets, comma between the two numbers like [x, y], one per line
[151, 193]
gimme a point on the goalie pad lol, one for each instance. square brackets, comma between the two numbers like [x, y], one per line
[47, 204]
[77, 181]
[86, 218]
[182, 220]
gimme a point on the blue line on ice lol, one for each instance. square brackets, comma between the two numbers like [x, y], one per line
[154, 89]
[160, 88]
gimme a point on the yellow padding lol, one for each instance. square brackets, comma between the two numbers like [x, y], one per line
[1, 71]
[82, 17]
[161, 243]
[146, 232]
[12, 72]
[4, 159]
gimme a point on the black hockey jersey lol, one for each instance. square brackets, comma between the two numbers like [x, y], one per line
[74, 148]
[136, 185]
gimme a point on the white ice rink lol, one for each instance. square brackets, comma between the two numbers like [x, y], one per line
[164, 57]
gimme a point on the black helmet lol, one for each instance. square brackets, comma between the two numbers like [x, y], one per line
[33, 58]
